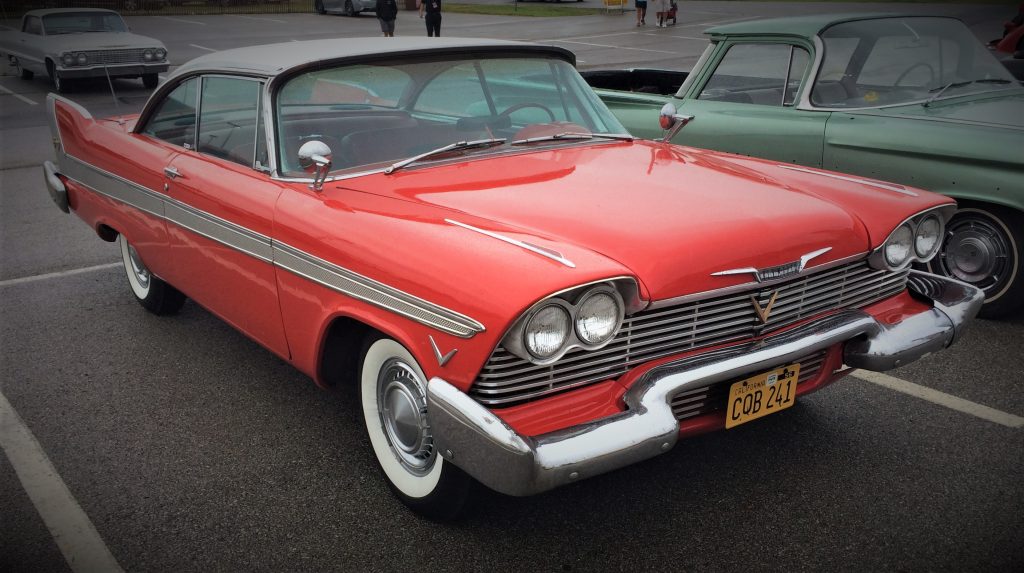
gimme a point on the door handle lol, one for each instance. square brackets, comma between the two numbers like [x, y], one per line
[172, 172]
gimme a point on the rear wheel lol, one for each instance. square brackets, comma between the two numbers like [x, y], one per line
[349, 9]
[394, 402]
[318, 6]
[983, 246]
[153, 294]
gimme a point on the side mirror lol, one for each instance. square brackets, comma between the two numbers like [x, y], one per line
[315, 158]
[671, 121]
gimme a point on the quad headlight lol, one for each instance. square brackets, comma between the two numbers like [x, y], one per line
[160, 54]
[585, 317]
[68, 59]
[81, 59]
[918, 239]
[147, 55]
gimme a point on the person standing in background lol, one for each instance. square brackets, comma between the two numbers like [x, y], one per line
[661, 8]
[432, 9]
[387, 12]
[641, 12]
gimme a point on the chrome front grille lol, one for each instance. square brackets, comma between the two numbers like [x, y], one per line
[507, 379]
[108, 57]
[699, 401]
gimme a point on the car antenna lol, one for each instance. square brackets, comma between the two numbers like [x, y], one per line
[111, 84]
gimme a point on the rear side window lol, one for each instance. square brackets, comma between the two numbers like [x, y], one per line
[228, 119]
[761, 74]
[33, 26]
[175, 119]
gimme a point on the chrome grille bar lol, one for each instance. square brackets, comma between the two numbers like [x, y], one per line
[127, 56]
[507, 379]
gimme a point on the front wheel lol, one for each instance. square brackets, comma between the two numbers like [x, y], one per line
[983, 247]
[394, 402]
[153, 294]
[60, 85]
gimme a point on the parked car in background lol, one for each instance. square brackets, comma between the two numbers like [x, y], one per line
[522, 294]
[69, 44]
[914, 100]
[123, 5]
[346, 7]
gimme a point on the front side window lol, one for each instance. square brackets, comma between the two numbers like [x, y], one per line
[890, 61]
[389, 111]
[33, 26]
[760, 74]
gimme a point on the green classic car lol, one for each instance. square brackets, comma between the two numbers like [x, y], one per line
[915, 100]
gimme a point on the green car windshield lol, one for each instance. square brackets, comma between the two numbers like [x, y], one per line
[384, 112]
[891, 61]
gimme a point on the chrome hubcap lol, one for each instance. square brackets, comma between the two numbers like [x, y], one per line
[976, 251]
[139, 269]
[402, 406]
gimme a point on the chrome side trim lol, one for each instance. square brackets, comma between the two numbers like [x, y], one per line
[376, 293]
[547, 253]
[262, 247]
[878, 184]
[475, 439]
[749, 285]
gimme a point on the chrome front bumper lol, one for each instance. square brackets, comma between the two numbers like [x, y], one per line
[475, 439]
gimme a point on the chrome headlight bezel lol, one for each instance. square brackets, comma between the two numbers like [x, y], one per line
[879, 258]
[160, 54]
[81, 58]
[919, 234]
[624, 291]
[68, 59]
[147, 55]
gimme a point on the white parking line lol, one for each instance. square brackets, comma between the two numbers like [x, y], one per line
[75, 535]
[181, 20]
[675, 36]
[941, 398]
[46, 276]
[613, 47]
[202, 47]
[263, 19]
[19, 96]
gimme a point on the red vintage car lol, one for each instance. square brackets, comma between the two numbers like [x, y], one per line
[524, 295]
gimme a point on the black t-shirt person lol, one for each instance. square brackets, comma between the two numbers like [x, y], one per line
[430, 11]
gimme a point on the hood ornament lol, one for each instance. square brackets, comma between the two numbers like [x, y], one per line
[776, 272]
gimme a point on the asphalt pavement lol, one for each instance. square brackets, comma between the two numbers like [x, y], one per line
[190, 448]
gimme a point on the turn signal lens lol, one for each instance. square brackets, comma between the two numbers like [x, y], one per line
[547, 332]
[597, 318]
[898, 247]
[929, 233]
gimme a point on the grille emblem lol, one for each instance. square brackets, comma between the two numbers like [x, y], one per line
[778, 272]
[763, 313]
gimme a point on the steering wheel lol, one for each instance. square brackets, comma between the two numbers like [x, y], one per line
[906, 72]
[525, 105]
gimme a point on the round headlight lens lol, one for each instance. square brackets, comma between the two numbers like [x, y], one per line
[68, 59]
[899, 245]
[147, 55]
[929, 233]
[160, 53]
[547, 331]
[82, 59]
[597, 318]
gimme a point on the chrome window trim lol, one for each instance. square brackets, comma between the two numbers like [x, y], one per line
[750, 285]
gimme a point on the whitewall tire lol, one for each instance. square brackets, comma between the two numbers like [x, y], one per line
[393, 395]
[152, 293]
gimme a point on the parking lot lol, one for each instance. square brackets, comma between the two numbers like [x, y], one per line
[178, 444]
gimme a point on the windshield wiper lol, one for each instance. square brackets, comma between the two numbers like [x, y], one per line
[573, 135]
[457, 146]
[942, 89]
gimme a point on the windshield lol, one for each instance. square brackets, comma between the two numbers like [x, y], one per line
[79, 22]
[390, 111]
[889, 61]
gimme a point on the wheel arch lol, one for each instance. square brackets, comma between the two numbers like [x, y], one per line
[106, 232]
[341, 346]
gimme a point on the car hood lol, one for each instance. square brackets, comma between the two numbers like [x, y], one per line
[1004, 108]
[99, 41]
[670, 214]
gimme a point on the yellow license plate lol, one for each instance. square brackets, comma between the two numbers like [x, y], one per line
[761, 395]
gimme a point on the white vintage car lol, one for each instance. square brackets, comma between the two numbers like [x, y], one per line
[72, 43]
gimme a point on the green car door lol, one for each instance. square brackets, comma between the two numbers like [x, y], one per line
[746, 103]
